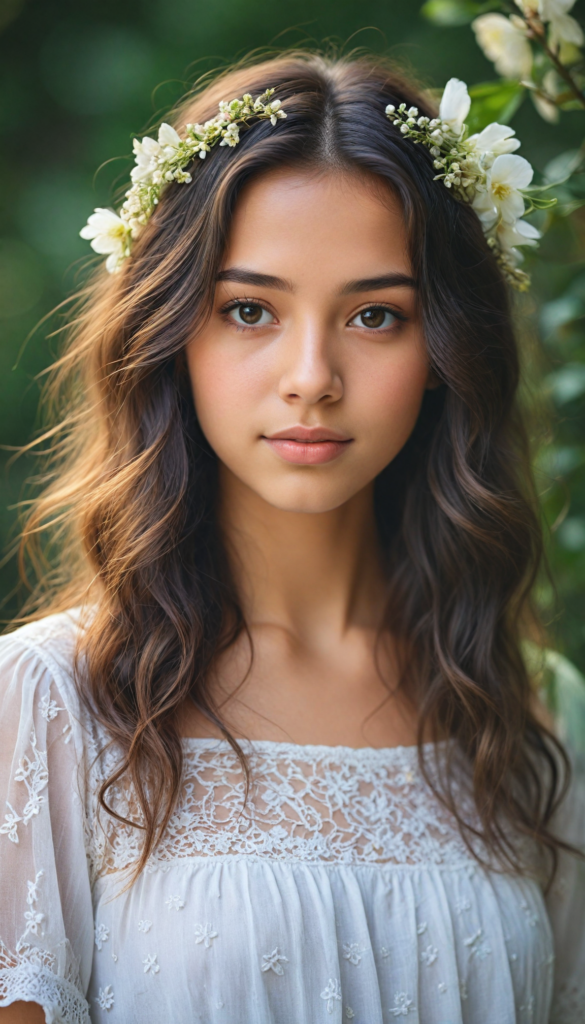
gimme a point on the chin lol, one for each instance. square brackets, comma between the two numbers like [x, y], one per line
[311, 500]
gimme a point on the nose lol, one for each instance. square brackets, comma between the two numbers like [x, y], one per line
[309, 374]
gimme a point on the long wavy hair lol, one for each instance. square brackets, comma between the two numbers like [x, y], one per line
[131, 503]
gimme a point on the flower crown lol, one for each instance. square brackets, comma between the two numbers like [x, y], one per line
[158, 163]
[479, 169]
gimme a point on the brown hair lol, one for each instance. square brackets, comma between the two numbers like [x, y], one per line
[132, 500]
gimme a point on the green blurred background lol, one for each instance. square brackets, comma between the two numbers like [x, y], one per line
[78, 79]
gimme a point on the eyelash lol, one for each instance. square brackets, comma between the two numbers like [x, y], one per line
[248, 301]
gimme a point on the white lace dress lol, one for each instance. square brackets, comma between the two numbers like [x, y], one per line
[342, 893]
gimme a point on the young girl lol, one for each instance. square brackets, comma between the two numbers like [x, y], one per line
[274, 756]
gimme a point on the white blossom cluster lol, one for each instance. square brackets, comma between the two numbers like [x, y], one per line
[159, 162]
[480, 169]
[506, 42]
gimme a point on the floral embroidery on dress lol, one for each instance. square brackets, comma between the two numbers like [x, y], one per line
[49, 708]
[429, 955]
[384, 953]
[32, 917]
[462, 905]
[442, 987]
[463, 990]
[349, 1013]
[273, 962]
[205, 933]
[174, 903]
[477, 945]
[354, 808]
[144, 926]
[150, 964]
[331, 993]
[403, 1005]
[101, 935]
[105, 998]
[35, 775]
[352, 951]
[531, 917]
[9, 828]
[421, 928]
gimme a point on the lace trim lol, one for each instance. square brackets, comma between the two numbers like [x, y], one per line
[27, 975]
[312, 803]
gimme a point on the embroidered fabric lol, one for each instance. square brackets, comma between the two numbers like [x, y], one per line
[313, 804]
[341, 890]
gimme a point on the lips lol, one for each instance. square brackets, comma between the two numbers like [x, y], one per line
[308, 446]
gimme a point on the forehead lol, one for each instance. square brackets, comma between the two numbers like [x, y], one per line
[330, 224]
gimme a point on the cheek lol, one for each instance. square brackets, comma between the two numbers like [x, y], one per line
[226, 391]
[390, 401]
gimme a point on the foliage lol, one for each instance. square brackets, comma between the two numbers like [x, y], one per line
[546, 40]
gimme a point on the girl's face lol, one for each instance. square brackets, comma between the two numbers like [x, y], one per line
[309, 376]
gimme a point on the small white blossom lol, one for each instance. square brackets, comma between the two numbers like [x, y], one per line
[455, 104]
[563, 28]
[108, 235]
[494, 140]
[144, 926]
[518, 233]
[504, 44]
[502, 199]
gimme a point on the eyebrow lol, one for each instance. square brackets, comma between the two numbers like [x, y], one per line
[242, 276]
[239, 275]
[372, 284]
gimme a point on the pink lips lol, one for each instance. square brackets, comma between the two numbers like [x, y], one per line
[308, 446]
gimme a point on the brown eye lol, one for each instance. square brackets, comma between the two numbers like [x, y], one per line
[375, 317]
[251, 314]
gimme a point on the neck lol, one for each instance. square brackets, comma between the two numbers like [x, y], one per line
[316, 575]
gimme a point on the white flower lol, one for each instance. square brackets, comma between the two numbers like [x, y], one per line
[455, 104]
[504, 44]
[352, 952]
[562, 26]
[108, 235]
[168, 138]
[144, 926]
[519, 233]
[495, 139]
[501, 199]
[147, 155]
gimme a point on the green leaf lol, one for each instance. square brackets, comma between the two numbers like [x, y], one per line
[559, 312]
[494, 101]
[567, 383]
[560, 169]
[451, 12]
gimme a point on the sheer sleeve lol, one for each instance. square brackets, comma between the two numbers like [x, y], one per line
[566, 907]
[46, 921]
